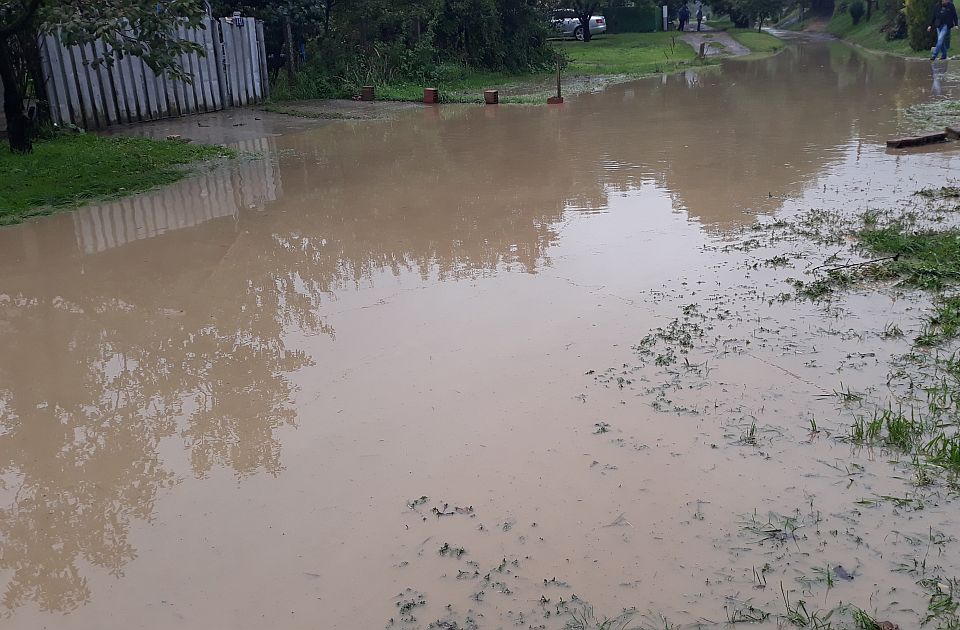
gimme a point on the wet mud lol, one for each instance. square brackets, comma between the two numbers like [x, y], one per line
[476, 367]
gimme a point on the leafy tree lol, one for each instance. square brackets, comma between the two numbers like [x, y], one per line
[918, 14]
[129, 27]
[741, 12]
[734, 9]
[856, 11]
[584, 10]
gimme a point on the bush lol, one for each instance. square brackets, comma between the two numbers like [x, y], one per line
[894, 21]
[856, 11]
[397, 47]
[918, 14]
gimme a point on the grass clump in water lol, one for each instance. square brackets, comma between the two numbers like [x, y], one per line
[758, 43]
[890, 428]
[943, 324]
[924, 259]
[71, 170]
[944, 192]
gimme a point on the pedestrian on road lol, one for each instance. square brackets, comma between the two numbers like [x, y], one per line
[699, 17]
[684, 16]
[944, 18]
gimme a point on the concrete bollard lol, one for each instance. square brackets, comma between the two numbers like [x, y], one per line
[431, 96]
[555, 100]
[366, 93]
[703, 50]
[491, 97]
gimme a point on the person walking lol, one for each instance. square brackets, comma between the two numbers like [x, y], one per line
[684, 16]
[699, 17]
[944, 18]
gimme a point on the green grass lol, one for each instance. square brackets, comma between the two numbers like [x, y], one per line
[463, 85]
[622, 55]
[758, 43]
[868, 35]
[627, 54]
[943, 324]
[71, 170]
[721, 25]
[633, 54]
[925, 259]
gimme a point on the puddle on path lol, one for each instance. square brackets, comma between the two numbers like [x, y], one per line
[221, 403]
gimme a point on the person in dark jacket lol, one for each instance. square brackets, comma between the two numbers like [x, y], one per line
[944, 18]
[684, 16]
[699, 17]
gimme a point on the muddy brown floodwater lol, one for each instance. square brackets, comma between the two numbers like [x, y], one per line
[395, 373]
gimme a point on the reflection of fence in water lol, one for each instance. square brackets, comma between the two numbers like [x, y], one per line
[200, 198]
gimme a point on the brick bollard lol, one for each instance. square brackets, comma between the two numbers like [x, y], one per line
[491, 97]
[366, 93]
[431, 96]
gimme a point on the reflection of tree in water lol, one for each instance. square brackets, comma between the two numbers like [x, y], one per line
[723, 144]
[91, 385]
[82, 464]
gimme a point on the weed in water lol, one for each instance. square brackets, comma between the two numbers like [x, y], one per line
[892, 331]
[798, 614]
[943, 324]
[585, 619]
[847, 395]
[743, 612]
[863, 620]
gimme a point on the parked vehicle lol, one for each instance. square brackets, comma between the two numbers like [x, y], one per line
[565, 22]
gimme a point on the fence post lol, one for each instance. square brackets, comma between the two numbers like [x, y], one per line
[217, 32]
[262, 53]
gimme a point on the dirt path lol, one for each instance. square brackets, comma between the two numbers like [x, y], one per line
[718, 43]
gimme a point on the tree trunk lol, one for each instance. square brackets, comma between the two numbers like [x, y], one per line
[288, 37]
[869, 7]
[31, 54]
[326, 17]
[585, 25]
[18, 124]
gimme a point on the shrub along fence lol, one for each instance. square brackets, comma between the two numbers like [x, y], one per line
[642, 19]
[233, 72]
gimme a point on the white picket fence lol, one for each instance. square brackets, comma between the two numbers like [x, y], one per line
[233, 72]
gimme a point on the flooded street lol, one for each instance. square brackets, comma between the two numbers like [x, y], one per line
[476, 368]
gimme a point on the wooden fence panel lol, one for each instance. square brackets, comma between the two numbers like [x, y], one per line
[50, 55]
[108, 89]
[254, 61]
[89, 73]
[232, 72]
[230, 60]
[135, 84]
[77, 76]
[124, 94]
[264, 72]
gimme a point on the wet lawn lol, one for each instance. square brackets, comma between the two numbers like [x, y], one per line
[758, 43]
[634, 54]
[626, 54]
[868, 35]
[68, 171]
[630, 55]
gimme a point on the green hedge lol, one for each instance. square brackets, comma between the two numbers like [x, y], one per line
[642, 19]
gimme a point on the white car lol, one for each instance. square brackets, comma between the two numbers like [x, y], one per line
[567, 25]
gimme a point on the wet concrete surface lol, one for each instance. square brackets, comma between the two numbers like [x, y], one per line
[718, 43]
[399, 372]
